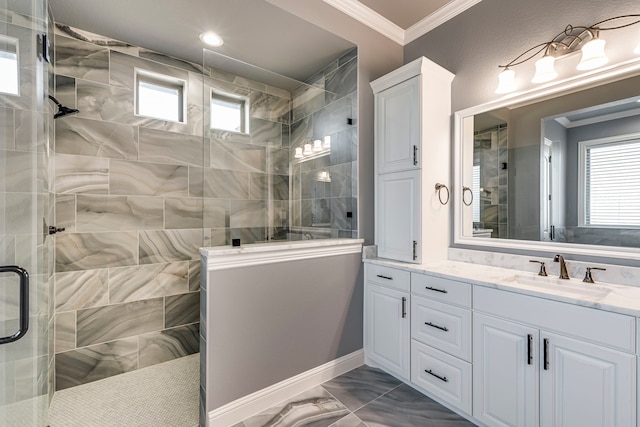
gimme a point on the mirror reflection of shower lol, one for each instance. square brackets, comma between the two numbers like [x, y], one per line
[490, 189]
[62, 110]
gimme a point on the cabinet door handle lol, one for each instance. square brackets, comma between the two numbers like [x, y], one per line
[415, 155]
[404, 307]
[546, 354]
[444, 291]
[415, 250]
[442, 328]
[530, 349]
[384, 277]
[445, 379]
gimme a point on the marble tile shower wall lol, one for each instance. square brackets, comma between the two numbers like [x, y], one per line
[127, 271]
[324, 189]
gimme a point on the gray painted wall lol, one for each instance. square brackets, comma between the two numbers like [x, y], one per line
[271, 322]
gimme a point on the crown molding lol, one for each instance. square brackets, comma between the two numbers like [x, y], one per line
[382, 25]
[440, 16]
[370, 18]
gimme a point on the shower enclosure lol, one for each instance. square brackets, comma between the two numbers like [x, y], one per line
[25, 213]
[286, 168]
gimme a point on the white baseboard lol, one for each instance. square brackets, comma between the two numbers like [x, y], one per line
[245, 407]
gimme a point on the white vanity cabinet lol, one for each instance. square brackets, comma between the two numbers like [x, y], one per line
[397, 126]
[441, 339]
[412, 150]
[541, 362]
[386, 319]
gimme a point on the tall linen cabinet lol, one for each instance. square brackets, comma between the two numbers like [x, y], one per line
[413, 154]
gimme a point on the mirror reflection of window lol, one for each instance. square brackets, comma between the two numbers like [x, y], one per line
[9, 66]
[475, 188]
[611, 171]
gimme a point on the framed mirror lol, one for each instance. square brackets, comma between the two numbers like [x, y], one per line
[557, 168]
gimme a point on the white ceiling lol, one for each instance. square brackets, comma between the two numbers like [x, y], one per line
[254, 31]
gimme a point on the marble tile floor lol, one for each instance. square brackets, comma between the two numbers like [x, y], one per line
[363, 397]
[164, 395]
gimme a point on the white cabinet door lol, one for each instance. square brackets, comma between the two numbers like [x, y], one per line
[398, 216]
[398, 126]
[505, 372]
[585, 385]
[387, 338]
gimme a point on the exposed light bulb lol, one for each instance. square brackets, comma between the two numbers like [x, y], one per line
[307, 150]
[545, 70]
[506, 81]
[211, 39]
[593, 55]
[327, 142]
[317, 146]
[298, 154]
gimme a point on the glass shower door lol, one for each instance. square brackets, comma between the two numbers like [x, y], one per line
[25, 247]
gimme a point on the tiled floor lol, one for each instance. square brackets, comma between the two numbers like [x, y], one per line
[364, 397]
[167, 395]
[163, 395]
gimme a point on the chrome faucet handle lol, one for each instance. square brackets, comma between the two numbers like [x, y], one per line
[543, 268]
[588, 278]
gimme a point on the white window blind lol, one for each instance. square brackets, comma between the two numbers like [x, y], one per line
[612, 187]
[475, 187]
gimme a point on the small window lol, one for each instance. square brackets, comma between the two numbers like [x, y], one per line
[9, 69]
[610, 171]
[229, 113]
[160, 97]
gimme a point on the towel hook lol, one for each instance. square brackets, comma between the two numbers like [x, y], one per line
[439, 188]
[464, 190]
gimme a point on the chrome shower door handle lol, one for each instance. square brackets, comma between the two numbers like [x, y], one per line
[24, 303]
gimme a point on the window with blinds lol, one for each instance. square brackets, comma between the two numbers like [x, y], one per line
[611, 183]
[475, 187]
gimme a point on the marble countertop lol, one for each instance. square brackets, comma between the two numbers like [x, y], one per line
[284, 245]
[621, 299]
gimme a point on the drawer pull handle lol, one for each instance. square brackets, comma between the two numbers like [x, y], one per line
[444, 291]
[384, 277]
[442, 328]
[445, 379]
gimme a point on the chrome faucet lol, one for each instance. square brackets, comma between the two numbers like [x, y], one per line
[563, 267]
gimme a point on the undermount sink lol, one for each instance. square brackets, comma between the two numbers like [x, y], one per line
[573, 286]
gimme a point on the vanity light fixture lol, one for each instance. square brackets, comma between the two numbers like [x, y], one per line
[312, 149]
[572, 39]
[327, 142]
[211, 39]
[307, 150]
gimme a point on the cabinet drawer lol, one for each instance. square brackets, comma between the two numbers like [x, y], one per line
[387, 276]
[442, 326]
[440, 289]
[449, 378]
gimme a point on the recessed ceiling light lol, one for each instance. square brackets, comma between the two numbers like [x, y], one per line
[211, 39]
